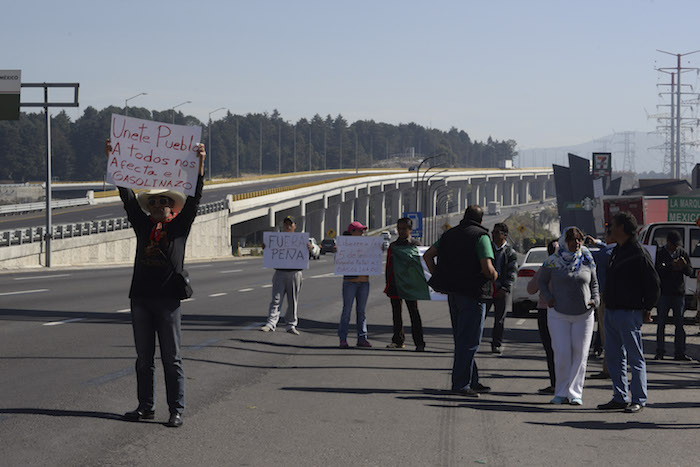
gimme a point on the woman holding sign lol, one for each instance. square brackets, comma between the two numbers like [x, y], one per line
[355, 288]
[162, 220]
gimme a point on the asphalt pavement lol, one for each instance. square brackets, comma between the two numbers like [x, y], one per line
[261, 399]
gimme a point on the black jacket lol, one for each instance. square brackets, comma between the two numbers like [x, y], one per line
[506, 264]
[632, 282]
[458, 268]
[672, 280]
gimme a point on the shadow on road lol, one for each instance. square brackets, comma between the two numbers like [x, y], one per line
[63, 413]
[616, 426]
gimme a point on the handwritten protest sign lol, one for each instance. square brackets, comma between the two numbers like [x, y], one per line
[286, 250]
[359, 256]
[153, 155]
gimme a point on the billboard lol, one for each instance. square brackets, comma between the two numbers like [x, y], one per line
[10, 87]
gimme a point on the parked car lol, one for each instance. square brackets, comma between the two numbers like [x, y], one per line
[523, 302]
[386, 235]
[315, 251]
[654, 235]
[327, 245]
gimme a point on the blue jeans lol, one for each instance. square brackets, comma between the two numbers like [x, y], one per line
[358, 292]
[677, 304]
[623, 348]
[467, 315]
[151, 316]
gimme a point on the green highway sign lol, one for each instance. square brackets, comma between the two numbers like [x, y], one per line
[683, 208]
[10, 84]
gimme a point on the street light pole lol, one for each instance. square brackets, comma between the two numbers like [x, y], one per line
[175, 107]
[418, 172]
[126, 102]
[211, 153]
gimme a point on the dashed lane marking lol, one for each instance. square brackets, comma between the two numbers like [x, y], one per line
[220, 294]
[19, 292]
[40, 277]
[266, 286]
[319, 276]
[246, 290]
[230, 271]
[187, 300]
[519, 322]
[56, 323]
[123, 310]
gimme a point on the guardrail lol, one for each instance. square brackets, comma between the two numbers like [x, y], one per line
[37, 234]
[29, 207]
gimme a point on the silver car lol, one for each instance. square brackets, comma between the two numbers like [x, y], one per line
[523, 302]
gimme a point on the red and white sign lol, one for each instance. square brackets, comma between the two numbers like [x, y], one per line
[153, 155]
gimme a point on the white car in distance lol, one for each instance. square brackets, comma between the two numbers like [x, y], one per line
[523, 302]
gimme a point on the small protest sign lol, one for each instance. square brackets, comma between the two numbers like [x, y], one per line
[358, 256]
[153, 155]
[286, 250]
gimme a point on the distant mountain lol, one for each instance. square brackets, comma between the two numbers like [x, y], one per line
[639, 144]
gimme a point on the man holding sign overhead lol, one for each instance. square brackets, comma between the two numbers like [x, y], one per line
[162, 220]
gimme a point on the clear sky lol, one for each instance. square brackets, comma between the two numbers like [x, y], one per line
[544, 73]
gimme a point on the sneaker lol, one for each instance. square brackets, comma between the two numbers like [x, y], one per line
[496, 349]
[364, 343]
[394, 345]
[682, 358]
[293, 330]
[576, 401]
[266, 328]
[344, 344]
[420, 348]
[634, 408]
[481, 389]
[547, 390]
[559, 400]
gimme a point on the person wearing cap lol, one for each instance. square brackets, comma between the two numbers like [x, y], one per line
[672, 264]
[285, 282]
[355, 288]
[161, 220]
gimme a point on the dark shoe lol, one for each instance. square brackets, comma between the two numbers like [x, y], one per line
[481, 389]
[601, 375]
[420, 348]
[175, 420]
[634, 408]
[613, 405]
[469, 392]
[547, 390]
[682, 358]
[658, 356]
[496, 349]
[140, 414]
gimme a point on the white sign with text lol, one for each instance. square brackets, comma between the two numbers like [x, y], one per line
[286, 250]
[153, 155]
[359, 256]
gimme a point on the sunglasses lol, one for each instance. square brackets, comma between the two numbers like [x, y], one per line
[163, 201]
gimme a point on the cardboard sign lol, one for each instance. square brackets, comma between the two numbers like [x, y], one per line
[359, 256]
[153, 155]
[286, 250]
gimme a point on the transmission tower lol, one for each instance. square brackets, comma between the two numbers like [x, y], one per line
[626, 139]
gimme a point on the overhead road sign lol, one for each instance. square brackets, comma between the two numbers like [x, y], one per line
[10, 88]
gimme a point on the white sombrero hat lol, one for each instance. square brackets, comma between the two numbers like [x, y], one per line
[177, 197]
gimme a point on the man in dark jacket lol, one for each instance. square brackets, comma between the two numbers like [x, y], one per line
[463, 272]
[505, 263]
[162, 220]
[631, 290]
[672, 264]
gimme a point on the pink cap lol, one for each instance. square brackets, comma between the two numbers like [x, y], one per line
[356, 226]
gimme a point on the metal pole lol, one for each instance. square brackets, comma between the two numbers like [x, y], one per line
[209, 146]
[324, 148]
[356, 166]
[341, 149]
[238, 156]
[294, 144]
[279, 147]
[678, 121]
[49, 226]
[309, 146]
[260, 168]
[673, 132]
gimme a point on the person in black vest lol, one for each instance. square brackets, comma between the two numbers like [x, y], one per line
[463, 271]
[162, 220]
[631, 291]
[672, 264]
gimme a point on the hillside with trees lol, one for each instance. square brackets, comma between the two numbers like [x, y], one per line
[252, 140]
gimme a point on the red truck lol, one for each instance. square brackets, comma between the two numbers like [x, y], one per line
[646, 209]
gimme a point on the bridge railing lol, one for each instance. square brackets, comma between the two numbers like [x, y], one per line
[37, 234]
[29, 207]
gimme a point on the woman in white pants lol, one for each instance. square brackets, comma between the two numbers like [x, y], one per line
[572, 300]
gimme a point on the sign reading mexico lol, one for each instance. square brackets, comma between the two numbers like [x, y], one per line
[286, 250]
[359, 256]
[153, 155]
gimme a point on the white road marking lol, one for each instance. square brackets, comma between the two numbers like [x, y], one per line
[199, 266]
[519, 322]
[24, 291]
[266, 286]
[104, 215]
[54, 323]
[245, 290]
[41, 277]
[123, 310]
[319, 276]
[230, 271]
[220, 294]
[187, 300]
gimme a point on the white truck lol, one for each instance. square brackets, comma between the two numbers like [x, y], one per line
[494, 208]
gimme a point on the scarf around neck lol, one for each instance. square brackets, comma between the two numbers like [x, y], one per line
[566, 260]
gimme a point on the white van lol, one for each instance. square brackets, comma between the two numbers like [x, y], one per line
[655, 234]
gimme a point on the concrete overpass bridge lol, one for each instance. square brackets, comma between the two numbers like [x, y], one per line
[376, 199]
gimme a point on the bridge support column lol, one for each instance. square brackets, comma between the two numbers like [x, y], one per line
[271, 218]
[396, 206]
[301, 224]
